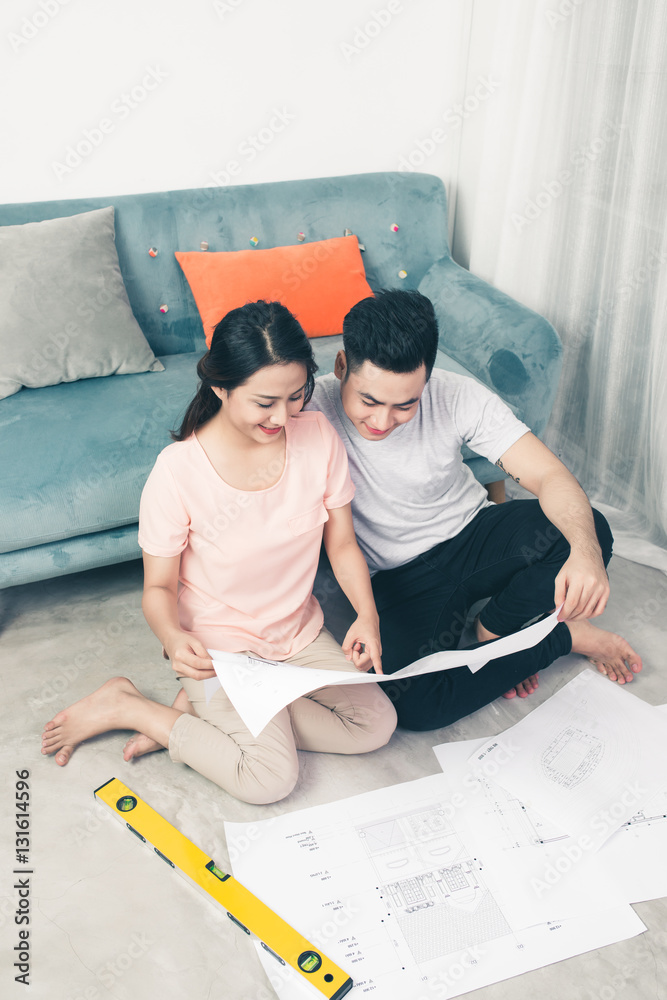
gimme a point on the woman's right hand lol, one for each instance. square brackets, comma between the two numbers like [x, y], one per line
[189, 657]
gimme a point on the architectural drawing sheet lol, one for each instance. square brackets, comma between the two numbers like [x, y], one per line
[389, 884]
[259, 689]
[588, 758]
[634, 856]
[541, 870]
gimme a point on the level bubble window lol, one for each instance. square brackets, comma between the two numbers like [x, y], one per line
[126, 803]
[309, 961]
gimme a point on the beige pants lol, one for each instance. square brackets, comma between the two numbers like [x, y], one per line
[342, 718]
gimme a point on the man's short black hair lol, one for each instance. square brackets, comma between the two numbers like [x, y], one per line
[393, 329]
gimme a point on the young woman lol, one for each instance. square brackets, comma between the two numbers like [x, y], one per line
[231, 521]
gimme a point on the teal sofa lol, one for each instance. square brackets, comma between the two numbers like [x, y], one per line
[75, 456]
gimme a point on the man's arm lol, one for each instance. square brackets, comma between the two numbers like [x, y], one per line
[582, 585]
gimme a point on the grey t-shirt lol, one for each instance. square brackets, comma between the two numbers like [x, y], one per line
[413, 489]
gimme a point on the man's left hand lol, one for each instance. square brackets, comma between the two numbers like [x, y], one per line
[582, 587]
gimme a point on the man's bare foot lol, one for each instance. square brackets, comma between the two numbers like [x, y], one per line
[97, 713]
[611, 653]
[138, 745]
[524, 688]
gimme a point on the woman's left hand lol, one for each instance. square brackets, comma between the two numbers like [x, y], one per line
[362, 644]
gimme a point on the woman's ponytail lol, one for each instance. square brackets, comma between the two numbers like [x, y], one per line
[204, 406]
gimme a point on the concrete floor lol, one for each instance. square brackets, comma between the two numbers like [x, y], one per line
[106, 921]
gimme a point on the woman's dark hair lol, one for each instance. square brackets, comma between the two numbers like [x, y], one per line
[251, 337]
[394, 329]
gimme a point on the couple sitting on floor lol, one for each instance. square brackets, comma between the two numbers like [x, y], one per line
[368, 460]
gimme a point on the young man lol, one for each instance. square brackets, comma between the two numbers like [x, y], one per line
[434, 542]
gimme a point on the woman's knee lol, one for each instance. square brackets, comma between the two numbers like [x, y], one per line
[260, 787]
[377, 722]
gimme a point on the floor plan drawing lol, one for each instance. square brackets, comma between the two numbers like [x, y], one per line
[525, 845]
[572, 757]
[440, 899]
[588, 758]
[391, 884]
[517, 823]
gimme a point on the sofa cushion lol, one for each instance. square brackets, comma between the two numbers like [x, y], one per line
[318, 282]
[75, 456]
[64, 311]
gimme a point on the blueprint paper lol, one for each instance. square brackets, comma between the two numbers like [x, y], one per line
[211, 685]
[541, 870]
[588, 758]
[527, 852]
[388, 886]
[533, 949]
[635, 855]
[259, 689]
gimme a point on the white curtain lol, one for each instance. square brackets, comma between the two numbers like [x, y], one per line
[568, 213]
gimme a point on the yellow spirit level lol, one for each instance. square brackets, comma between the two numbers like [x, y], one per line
[247, 911]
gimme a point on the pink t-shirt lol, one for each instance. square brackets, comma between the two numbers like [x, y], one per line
[248, 558]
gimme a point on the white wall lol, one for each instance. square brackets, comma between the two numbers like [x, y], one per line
[328, 88]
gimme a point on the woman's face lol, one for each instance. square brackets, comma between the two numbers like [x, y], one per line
[260, 408]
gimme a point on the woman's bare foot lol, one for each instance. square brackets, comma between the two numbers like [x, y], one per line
[97, 713]
[611, 653]
[524, 688]
[138, 745]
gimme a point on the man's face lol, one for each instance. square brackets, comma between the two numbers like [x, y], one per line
[378, 401]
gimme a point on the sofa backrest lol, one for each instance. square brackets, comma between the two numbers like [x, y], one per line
[228, 217]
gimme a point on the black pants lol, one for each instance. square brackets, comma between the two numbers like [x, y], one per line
[511, 553]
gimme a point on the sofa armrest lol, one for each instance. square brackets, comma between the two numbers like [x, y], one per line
[511, 349]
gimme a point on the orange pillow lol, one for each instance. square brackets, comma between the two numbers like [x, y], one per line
[318, 282]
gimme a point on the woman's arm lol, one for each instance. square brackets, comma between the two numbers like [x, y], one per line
[188, 655]
[351, 571]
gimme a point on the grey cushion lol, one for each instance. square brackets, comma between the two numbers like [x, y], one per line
[64, 311]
